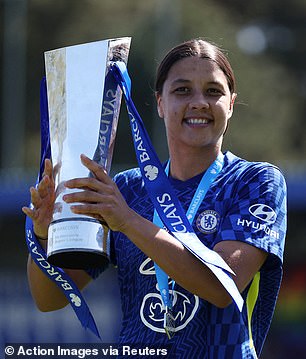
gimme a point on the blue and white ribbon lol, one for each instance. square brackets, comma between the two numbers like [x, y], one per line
[207, 179]
[162, 195]
[38, 254]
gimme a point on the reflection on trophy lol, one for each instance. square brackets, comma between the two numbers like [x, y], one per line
[84, 104]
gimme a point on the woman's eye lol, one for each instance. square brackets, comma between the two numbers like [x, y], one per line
[181, 90]
[214, 91]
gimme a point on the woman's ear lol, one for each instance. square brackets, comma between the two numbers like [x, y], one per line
[159, 105]
[231, 108]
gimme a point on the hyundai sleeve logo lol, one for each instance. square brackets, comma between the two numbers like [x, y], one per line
[263, 212]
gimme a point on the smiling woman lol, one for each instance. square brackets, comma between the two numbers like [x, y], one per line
[207, 88]
[196, 104]
[221, 195]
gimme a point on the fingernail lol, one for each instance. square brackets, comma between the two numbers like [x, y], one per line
[84, 157]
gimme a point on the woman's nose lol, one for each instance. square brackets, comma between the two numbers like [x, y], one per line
[199, 101]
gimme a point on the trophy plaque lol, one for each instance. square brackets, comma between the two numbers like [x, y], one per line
[83, 104]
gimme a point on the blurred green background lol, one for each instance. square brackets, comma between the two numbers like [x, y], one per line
[265, 41]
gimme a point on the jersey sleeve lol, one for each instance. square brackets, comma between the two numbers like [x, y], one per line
[258, 210]
[95, 272]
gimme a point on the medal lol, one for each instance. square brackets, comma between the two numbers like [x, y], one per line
[169, 323]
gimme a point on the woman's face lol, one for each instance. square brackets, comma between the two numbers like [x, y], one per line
[195, 103]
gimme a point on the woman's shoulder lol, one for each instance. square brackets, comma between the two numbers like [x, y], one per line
[243, 167]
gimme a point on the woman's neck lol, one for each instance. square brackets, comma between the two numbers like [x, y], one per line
[187, 165]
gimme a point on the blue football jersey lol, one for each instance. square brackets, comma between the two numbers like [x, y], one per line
[246, 202]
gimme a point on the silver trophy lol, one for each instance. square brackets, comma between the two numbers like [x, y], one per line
[84, 104]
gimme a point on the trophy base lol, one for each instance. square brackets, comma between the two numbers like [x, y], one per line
[78, 259]
[78, 243]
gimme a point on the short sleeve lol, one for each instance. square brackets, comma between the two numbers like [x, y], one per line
[258, 211]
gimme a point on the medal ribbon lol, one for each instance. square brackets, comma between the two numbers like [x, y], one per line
[162, 194]
[38, 254]
[207, 179]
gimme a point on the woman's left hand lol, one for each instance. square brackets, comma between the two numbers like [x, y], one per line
[100, 197]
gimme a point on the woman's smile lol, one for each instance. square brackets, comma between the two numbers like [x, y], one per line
[197, 121]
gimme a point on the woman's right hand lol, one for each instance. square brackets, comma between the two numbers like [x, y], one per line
[42, 198]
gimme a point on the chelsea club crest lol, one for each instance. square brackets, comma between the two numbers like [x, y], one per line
[208, 221]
